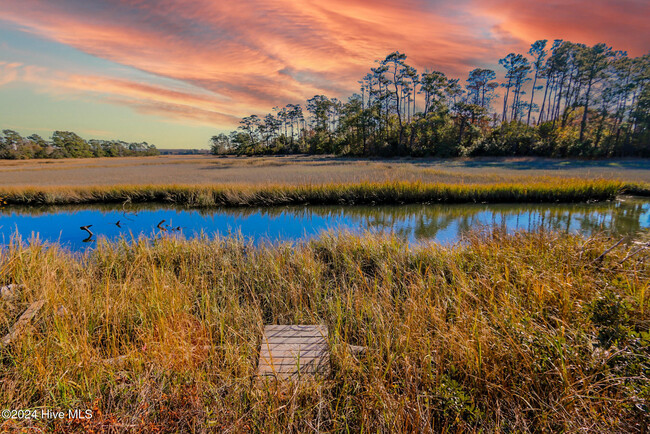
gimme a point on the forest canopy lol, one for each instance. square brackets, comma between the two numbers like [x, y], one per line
[66, 144]
[562, 99]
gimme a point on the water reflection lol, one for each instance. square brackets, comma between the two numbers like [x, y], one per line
[441, 223]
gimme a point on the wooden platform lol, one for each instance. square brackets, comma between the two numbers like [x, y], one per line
[294, 351]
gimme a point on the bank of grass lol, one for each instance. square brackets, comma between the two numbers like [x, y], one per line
[550, 190]
[514, 333]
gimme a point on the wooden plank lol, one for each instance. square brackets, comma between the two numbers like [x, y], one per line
[282, 369]
[301, 327]
[293, 344]
[321, 328]
[289, 351]
[291, 374]
[288, 344]
[292, 365]
[285, 351]
[292, 353]
[294, 333]
[295, 340]
[292, 360]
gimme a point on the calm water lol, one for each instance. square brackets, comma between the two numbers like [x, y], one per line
[444, 224]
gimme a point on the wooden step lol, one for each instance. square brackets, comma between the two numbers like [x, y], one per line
[294, 351]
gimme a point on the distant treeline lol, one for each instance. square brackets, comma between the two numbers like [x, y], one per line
[170, 151]
[65, 144]
[564, 100]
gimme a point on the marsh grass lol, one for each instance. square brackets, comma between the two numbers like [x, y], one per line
[550, 190]
[292, 170]
[519, 332]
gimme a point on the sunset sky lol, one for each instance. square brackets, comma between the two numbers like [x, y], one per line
[175, 72]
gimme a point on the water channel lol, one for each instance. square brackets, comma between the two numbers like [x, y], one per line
[444, 224]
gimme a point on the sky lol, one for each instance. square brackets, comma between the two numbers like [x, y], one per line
[176, 72]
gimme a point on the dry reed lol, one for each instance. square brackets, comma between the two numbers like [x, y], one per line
[517, 333]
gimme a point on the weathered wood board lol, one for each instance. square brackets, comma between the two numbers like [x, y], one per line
[294, 351]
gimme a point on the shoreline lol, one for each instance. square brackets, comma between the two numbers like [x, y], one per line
[384, 193]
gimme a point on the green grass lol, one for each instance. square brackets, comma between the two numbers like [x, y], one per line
[550, 190]
[523, 332]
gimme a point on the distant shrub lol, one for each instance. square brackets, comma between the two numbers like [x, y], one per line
[66, 144]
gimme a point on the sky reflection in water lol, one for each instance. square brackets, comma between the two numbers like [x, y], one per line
[444, 224]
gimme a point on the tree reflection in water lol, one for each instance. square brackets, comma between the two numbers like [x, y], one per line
[440, 223]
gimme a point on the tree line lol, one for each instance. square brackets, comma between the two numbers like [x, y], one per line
[66, 144]
[566, 99]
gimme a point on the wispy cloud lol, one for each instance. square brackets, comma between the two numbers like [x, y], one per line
[247, 56]
[9, 72]
[621, 23]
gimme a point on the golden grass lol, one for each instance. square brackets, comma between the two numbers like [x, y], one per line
[551, 190]
[292, 170]
[517, 333]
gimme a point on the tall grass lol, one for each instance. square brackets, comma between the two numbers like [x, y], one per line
[523, 332]
[324, 194]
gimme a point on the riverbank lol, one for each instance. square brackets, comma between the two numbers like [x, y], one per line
[549, 190]
[523, 332]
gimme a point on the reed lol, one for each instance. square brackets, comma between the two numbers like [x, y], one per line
[549, 190]
[520, 332]
[209, 170]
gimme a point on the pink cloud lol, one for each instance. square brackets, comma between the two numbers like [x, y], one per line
[248, 56]
[202, 108]
[9, 72]
[622, 23]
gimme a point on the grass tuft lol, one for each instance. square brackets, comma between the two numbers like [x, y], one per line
[520, 332]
